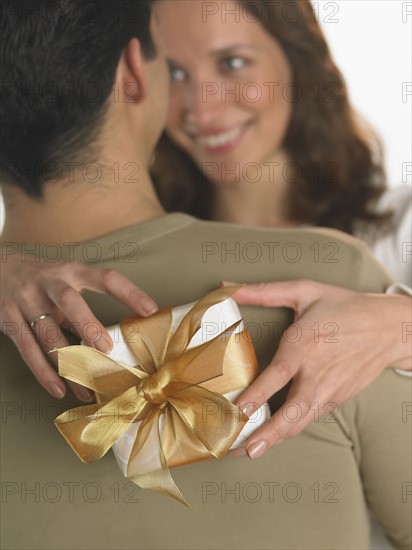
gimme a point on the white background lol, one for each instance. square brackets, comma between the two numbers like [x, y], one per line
[371, 43]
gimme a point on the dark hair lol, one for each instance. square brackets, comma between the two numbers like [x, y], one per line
[58, 61]
[339, 164]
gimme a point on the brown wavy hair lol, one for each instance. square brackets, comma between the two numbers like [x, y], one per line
[339, 159]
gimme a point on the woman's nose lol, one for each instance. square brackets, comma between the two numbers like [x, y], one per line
[203, 103]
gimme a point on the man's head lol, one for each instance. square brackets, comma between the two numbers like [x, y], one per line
[67, 66]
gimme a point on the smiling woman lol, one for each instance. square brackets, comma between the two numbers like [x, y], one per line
[257, 104]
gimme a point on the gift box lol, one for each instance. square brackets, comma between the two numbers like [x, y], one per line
[215, 320]
[165, 393]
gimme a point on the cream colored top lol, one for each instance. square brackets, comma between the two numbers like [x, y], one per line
[393, 249]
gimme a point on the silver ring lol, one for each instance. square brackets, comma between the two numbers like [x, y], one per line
[39, 318]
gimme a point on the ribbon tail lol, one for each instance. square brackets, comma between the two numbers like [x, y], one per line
[147, 463]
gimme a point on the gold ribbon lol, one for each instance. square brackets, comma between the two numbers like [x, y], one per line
[170, 382]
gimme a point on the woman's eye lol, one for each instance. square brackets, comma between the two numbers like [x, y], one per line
[234, 63]
[176, 74]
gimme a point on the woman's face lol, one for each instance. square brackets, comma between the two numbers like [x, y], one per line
[229, 80]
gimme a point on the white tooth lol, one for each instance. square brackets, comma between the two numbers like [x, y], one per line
[220, 139]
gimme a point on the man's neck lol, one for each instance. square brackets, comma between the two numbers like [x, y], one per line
[79, 210]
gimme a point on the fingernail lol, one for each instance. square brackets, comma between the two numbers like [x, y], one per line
[57, 391]
[228, 283]
[148, 306]
[104, 345]
[239, 451]
[256, 449]
[84, 394]
[249, 409]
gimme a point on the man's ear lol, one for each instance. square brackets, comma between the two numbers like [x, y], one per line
[131, 73]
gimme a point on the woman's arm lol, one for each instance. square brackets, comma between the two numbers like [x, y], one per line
[346, 340]
[37, 298]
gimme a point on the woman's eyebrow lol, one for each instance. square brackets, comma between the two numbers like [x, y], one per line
[220, 51]
[228, 49]
[171, 61]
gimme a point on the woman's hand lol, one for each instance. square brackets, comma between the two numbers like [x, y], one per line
[30, 289]
[341, 342]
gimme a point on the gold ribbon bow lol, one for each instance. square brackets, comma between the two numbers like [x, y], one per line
[172, 391]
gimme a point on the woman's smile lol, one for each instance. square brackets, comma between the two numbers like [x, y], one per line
[222, 140]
